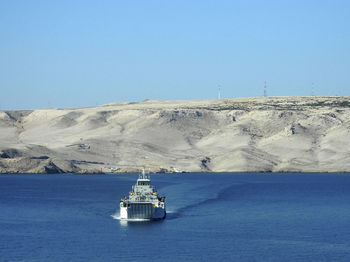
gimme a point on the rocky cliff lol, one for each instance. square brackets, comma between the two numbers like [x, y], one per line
[278, 134]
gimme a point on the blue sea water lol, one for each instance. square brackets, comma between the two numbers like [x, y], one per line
[211, 217]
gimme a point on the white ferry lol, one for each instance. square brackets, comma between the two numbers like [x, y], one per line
[143, 202]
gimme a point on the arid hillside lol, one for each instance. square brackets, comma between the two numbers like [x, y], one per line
[278, 134]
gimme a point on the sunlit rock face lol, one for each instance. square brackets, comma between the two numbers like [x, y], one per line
[278, 134]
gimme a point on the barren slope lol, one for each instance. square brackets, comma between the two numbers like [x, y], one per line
[247, 134]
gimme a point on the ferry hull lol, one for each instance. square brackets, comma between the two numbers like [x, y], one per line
[147, 211]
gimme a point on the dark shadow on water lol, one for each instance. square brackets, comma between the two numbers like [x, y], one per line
[173, 215]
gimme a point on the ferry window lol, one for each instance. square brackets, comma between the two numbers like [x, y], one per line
[143, 183]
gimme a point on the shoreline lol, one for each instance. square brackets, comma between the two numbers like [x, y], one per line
[182, 173]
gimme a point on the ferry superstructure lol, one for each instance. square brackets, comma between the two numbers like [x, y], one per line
[143, 202]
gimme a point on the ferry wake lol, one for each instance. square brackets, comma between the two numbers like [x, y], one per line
[143, 202]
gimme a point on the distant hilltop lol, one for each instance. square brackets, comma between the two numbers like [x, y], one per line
[266, 134]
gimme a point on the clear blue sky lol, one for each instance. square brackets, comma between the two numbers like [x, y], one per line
[83, 53]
